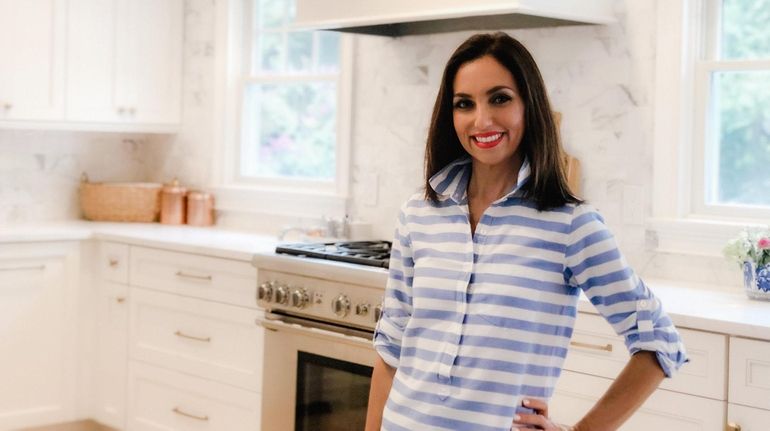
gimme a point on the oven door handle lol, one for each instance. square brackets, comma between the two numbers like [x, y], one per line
[277, 322]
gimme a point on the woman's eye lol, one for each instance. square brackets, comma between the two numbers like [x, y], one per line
[463, 104]
[499, 99]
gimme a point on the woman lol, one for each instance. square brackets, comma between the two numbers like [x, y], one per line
[487, 266]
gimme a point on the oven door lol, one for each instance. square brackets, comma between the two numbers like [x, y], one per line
[314, 377]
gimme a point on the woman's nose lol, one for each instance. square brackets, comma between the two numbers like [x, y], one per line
[483, 117]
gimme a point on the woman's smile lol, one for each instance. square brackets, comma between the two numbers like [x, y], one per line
[488, 140]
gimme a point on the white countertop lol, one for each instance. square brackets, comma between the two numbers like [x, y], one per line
[690, 305]
[211, 241]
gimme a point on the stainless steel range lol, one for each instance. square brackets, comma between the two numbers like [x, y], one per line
[321, 302]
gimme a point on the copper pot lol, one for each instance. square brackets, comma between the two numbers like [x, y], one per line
[172, 203]
[200, 208]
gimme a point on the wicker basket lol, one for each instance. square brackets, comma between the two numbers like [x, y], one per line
[131, 202]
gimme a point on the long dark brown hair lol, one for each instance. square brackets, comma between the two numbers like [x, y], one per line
[540, 143]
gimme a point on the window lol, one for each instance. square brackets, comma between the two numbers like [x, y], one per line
[285, 114]
[732, 128]
[712, 123]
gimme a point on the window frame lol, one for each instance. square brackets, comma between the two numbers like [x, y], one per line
[287, 196]
[680, 222]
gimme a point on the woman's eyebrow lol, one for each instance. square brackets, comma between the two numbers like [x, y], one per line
[490, 91]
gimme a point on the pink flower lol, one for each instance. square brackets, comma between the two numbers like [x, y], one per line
[763, 243]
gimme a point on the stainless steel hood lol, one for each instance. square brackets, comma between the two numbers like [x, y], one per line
[414, 17]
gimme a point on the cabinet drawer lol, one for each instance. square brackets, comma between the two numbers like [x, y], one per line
[596, 349]
[748, 418]
[576, 393]
[212, 278]
[164, 400]
[210, 340]
[750, 372]
[113, 262]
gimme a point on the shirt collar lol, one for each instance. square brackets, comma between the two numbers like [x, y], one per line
[452, 180]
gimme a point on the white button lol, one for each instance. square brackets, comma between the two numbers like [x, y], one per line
[643, 303]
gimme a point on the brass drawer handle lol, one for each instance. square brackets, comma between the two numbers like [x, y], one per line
[120, 299]
[114, 262]
[192, 337]
[24, 268]
[732, 426]
[197, 277]
[604, 348]
[179, 411]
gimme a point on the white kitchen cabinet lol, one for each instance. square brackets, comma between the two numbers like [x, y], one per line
[32, 35]
[202, 338]
[742, 418]
[125, 64]
[111, 355]
[38, 322]
[576, 393]
[165, 400]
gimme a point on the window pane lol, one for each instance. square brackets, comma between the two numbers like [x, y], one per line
[329, 47]
[271, 13]
[741, 105]
[745, 29]
[269, 52]
[290, 130]
[300, 51]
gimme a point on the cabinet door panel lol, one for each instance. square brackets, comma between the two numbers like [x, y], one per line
[91, 64]
[31, 59]
[112, 354]
[576, 393]
[37, 345]
[149, 60]
[750, 372]
[749, 419]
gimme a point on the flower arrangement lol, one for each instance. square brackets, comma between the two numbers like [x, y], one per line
[751, 250]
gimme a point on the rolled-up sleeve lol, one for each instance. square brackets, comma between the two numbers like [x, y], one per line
[397, 305]
[595, 265]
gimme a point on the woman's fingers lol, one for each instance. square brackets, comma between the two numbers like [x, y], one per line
[539, 406]
[527, 421]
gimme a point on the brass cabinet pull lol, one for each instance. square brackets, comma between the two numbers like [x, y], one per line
[732, 426]
[120, 299]
[192, 337]
[114, 262]
[24, 268]
[605, 348]
[197, 277]
[179, 411]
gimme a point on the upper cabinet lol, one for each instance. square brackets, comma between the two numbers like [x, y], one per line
[409, 17]
[113, 65]
[31, 59]
[125, 59]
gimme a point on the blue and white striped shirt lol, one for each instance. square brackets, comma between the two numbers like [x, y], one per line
[474, 323]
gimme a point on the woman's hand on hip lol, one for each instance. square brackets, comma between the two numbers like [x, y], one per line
[538, 420]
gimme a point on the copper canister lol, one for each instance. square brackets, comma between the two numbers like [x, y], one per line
[172, 203]
[200, 208]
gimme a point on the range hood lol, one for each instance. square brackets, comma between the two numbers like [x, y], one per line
[413, 17]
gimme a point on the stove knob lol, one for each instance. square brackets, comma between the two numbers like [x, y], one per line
[341, 305]
[362, 309]
[377, 313]
[265, 291]
[282, 295]
[300, 298]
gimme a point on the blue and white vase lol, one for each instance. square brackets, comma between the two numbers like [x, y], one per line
[756, 281]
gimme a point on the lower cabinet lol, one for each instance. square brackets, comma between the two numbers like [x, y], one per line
[161, 399]
[178, 347]
[111, 355]
[38, 323]
[742, 418]
[576, 393]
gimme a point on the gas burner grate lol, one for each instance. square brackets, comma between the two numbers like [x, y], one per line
[371, 253]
